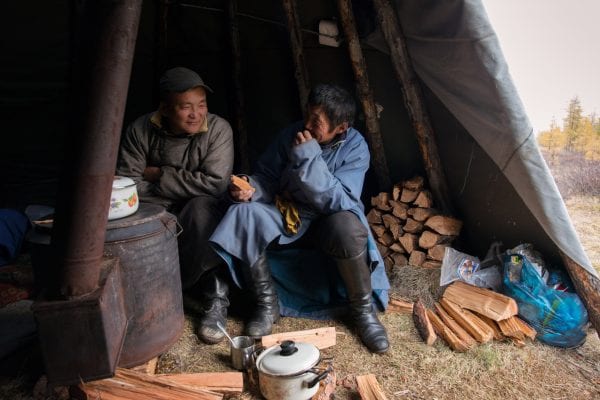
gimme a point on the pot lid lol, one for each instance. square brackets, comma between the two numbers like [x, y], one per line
[120, 182]
[289, 358]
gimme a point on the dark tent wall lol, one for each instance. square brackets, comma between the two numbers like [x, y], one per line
[35, 113]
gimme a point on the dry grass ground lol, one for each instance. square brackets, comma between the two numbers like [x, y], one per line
[412, 370]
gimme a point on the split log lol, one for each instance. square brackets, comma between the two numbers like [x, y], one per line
[399, 209]
[386, 239]
[444, 225]
[417, 258]
[383, 250]
[420, 214]
[128, 384]
[527, 329]
[422, 323]
[390, 220]
[511, 328]
[409, 242]
[400, 306]
[399, 259]
[428, 239]
[408, 196]
[424, 199]
[396, 192]
[397, 248]
[396, 231]
[462, 334]
[498, 335]
[484, 301]
[381, 201]
[374, 217]
[415, 183]
[322, 338]
[446, 333]
[388, 262]
[378, 230]
[222, 382]
[466, 320]
[412, 226]
[437, 252]
[368, 388]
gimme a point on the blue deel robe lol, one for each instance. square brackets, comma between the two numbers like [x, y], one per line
[321, 179]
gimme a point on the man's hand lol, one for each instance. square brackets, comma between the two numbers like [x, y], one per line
[152, 174]
[240, 191]
[302, 137]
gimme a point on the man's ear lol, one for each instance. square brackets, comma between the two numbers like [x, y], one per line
[341, 128]
[163, 109]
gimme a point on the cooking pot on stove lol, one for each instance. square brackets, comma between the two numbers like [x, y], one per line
[124, 199]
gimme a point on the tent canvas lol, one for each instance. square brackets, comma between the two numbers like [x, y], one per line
[499, 183]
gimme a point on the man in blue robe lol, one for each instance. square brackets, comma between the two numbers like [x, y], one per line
[308, 185]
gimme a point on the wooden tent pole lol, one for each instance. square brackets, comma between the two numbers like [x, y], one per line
[413, 99]
[238, 93]
[293, 24]
[588, 288]
[160, 44]
[359, 66]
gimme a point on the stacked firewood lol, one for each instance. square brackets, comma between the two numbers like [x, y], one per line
[407, 227]
[468, 315]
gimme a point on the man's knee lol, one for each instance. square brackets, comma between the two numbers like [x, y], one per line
[342, 235]
[201, 208]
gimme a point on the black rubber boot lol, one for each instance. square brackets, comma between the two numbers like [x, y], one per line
[262, 289]
[214, 291]
[357, 278]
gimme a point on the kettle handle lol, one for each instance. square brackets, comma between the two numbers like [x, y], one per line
[319, 377]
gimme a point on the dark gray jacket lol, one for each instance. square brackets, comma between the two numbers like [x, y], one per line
[191, 165]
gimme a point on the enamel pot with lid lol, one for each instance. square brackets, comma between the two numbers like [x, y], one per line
[288, 371]
[123, 199]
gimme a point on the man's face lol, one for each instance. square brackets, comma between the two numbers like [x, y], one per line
[186, 111]
[319, 126]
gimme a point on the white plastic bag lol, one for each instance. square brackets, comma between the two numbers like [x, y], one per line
[467, 268]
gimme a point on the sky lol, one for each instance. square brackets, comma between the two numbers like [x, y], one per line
[552, 48]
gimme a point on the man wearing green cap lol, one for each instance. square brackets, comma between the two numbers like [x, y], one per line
[181, 157]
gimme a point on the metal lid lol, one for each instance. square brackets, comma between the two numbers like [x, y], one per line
[120, 182]
[288, 359]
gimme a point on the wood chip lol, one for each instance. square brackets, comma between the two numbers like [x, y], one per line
[369, 388]
[322, 338]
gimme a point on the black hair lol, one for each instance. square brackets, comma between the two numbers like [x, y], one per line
[337, 103]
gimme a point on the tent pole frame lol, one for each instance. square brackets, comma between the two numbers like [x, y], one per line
[359, 66]
[300, 72]
[413, 99]
[588, 288]
[238, 92]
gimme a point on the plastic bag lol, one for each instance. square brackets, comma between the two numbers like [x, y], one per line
[467, 268]
[558, 316]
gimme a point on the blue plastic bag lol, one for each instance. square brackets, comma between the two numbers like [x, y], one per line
[558, 316]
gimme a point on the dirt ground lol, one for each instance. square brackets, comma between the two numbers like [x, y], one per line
[410, 369]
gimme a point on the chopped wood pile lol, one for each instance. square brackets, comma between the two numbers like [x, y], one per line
[408, 229]
[467, 315]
